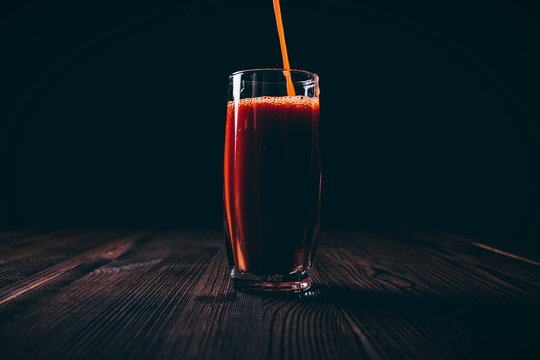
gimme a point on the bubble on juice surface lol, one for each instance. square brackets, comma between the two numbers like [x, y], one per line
[301, 102]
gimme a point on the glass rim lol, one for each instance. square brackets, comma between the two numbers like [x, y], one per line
[313, 75]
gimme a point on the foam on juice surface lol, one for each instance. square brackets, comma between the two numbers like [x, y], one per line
[300, 102]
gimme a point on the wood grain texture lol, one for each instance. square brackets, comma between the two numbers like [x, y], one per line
[165, 294]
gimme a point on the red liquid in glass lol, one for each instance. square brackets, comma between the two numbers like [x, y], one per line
[272, 183]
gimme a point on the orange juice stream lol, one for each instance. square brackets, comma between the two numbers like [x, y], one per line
[286, 66]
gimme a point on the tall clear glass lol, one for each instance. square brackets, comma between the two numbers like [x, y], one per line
[272, 178]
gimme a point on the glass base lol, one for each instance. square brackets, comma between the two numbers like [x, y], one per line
[295, 282]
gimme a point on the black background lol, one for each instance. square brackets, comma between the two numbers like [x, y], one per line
[113, 112]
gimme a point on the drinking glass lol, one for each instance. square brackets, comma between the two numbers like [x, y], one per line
[272, 178]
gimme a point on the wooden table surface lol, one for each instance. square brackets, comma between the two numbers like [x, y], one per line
[165, 294]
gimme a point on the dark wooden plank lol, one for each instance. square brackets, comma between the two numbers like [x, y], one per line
[20, 261]
[381, 294]
[99, 248]
[19, 234]
[429, 301]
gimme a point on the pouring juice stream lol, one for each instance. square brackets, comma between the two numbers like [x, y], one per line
[281, 33]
